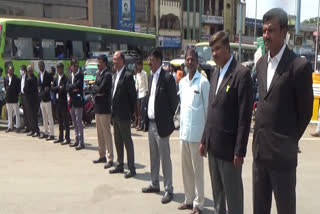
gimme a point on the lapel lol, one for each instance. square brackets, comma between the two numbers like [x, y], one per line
[120, 80]
[281, 68]
[161, 76]
[264, 72]
[228, 75]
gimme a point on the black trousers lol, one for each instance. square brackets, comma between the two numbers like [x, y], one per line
[25, 112]
[63, 120]
[122, 137]
[142, 112]
[281, 182]
[33, 105]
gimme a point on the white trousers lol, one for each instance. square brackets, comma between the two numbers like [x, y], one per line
[192, 173]
[46, 111]
[13, 108]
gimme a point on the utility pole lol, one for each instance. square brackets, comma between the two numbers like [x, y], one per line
[194, 21]
[255, 23]
[317, 41]
[200, 18]
[240, 29]
[297, 22]
[188, 19]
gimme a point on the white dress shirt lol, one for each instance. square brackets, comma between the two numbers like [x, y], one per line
[273, 64]
[151, 114]
[223, 71]
[142, 84]
[59, 79]
[10, 79]
[117, 80]
[73, 75]
[41, 76]
[23, 81]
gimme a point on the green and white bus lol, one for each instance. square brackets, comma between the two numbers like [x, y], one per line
[28, 41]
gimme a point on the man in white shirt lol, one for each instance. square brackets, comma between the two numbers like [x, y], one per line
[194, 94]
[142, 90]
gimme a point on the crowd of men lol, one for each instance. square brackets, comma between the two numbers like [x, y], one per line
[215, 118]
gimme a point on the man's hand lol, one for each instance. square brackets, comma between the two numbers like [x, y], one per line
[202, 150]
[237, 161]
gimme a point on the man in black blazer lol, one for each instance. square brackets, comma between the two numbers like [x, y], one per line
[283, 113]
[32, 98]
[59, 88]
[44, 84]
[103, 91]
[75, 89]
[226, 131]
[24, 76]
[162, 104]
[124, 99]
[12, 88]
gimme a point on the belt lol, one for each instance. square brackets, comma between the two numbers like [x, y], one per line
[152, 120]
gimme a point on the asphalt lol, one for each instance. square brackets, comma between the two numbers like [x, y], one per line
[37, 176]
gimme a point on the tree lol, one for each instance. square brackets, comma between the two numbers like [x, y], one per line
[310, 21]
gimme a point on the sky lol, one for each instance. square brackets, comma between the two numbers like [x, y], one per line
[309, 8]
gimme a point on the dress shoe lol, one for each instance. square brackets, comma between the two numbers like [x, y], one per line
[58, 141]
[185, 207]
[74, 144]
[65, 142]
[37, 134]
[316, 134]
[79, 147]
[25, 131]
[196, 210]
[116, 170]
[43, 136]
[8, 130]
[130, 174]
[31, 133]
[167, 198]
[150, 189]
[50, 138]
[108, 165]
[100, 160]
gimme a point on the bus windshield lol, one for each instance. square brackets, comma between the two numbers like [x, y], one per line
[204, 53]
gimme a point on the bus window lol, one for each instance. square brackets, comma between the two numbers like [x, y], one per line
[48, 49]
[36, 44]
[77, 49]
[8, 48]
[123, 47]
[95, 46]
[22, 48]
[69, 49]
[59, 50]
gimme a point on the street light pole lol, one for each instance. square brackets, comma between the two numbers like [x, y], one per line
[255, 23]
[317, 41]
[240, 29]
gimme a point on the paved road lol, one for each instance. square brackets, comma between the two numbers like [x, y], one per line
[40, 177]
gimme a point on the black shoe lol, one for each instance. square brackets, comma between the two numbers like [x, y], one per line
[31, 134]
[50, 138]
[108, 165]
[36, 134]
[117, 169]
[100, 160]
[25, 131]
[130, 174]
[79, 147]
[150, 189]
[167, 198]
[74, 145]
[43, 136]
[58, 141]
[65, 142]
[8, 130]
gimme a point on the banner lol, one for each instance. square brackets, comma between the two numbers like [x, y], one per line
[126, 15]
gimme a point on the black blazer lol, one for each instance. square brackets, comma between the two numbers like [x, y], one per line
[62, 92]
[30, 89]
[44, 86]
[228, 120]
[103, 86]
[125, 97]
[12, 90]
[76, 97]
[165, 104]
[284, 111]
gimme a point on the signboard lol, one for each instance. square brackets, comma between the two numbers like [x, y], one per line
[169, 41]
[126, 15]
[212, 19]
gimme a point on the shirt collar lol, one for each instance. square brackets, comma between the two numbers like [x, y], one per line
[60, 76]
[158, 71]
[226, 66]
[279, 55]
[119, 72]
[76, 73]
[195, 76]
